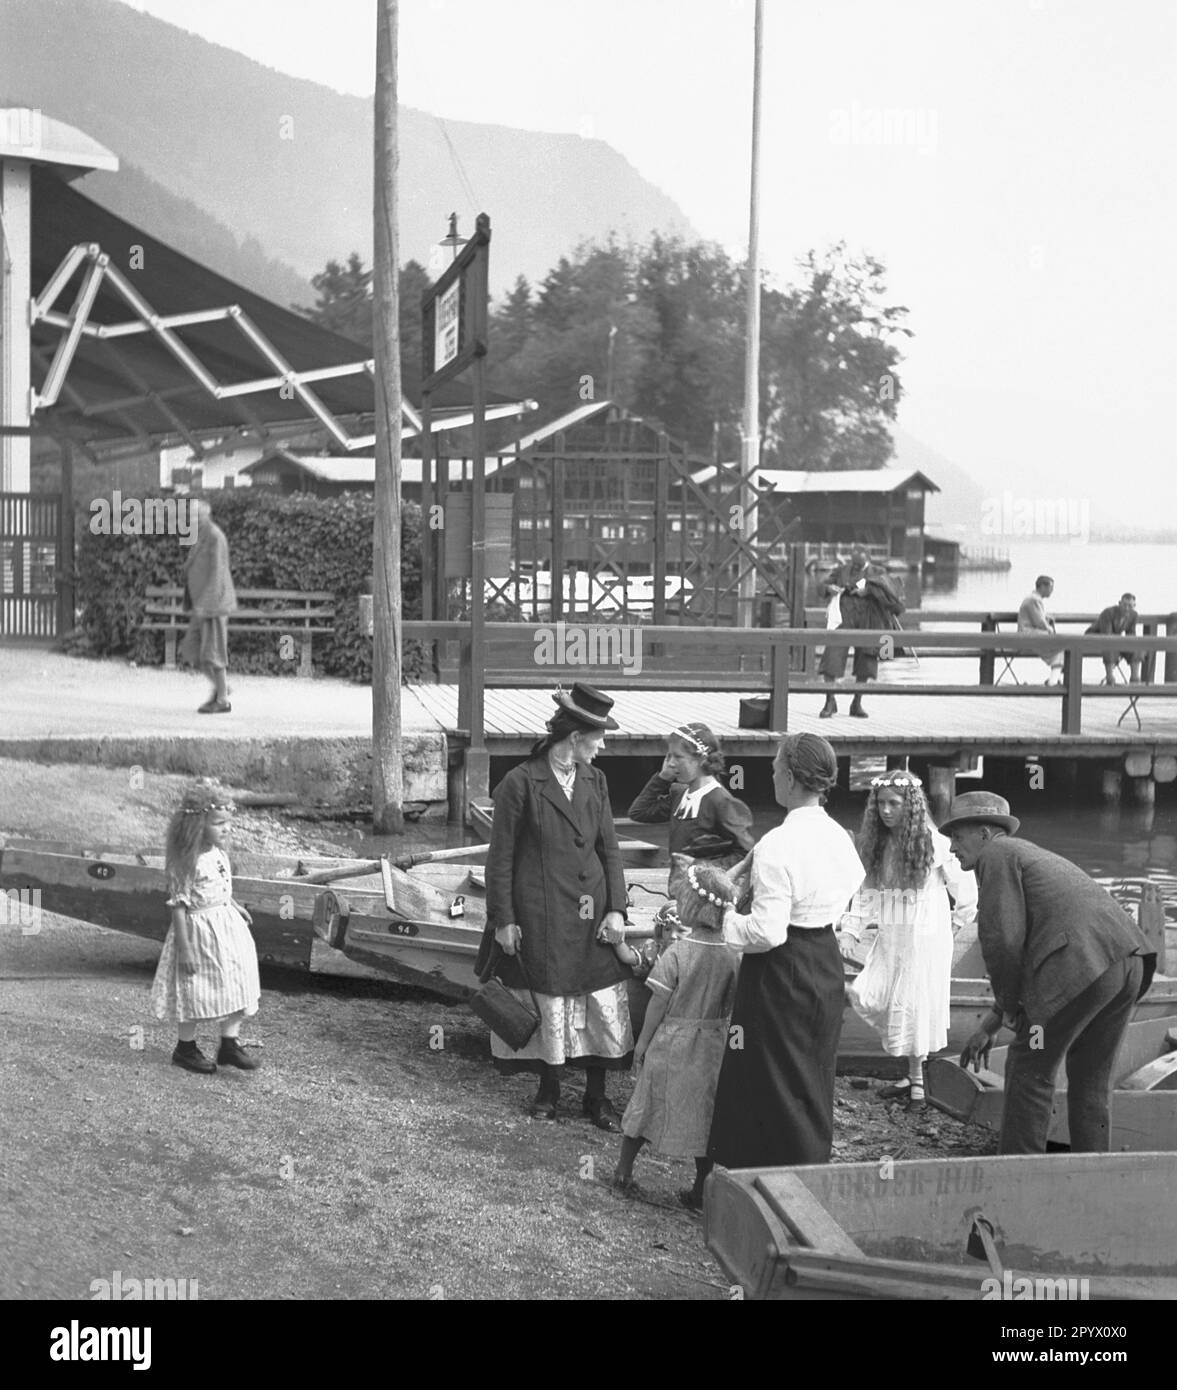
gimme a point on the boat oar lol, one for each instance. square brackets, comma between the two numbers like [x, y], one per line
[469, 854]
[358, 870]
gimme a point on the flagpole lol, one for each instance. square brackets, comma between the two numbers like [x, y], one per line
[387, 763]
[750, 441]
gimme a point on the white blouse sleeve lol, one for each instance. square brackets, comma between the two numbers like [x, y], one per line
[767, 925]
[962, 884]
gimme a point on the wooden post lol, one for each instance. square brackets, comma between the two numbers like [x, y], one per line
[942, 783]
[1171, 657]
[988, 624]
[66, 542]
[387, 761]
[778, 696]
[750, 461]
[15, 293]
[1110, 784]
[1142, 790]
[661, 529]
[556, 482]
[477, 758]
[1072, 691]
[429, 549]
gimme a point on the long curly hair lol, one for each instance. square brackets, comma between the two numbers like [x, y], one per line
[185, 842]
[912, 836]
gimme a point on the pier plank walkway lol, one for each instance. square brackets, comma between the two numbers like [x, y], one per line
[913, 724]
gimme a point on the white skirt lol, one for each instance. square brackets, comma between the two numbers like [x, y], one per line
[573, 1025]
[226, 979]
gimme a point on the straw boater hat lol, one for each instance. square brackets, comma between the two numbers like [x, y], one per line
[588, 704]
[981, 808]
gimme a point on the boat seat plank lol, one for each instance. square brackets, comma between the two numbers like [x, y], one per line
[803, 1215]
[1157, 1075]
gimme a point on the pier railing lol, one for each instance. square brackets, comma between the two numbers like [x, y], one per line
[660, 658]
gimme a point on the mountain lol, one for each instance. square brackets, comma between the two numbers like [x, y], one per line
[955, 511]
[282, 167]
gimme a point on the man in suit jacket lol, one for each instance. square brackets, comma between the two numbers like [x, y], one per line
[1067, 964]
[1033, 617]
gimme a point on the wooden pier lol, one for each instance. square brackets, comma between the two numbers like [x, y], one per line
[1130, 729]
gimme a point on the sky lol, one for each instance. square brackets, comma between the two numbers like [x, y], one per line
[1011, 162]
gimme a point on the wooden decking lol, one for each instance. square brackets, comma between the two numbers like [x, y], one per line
[916, 725]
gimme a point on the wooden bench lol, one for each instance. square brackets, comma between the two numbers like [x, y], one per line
[292, 612]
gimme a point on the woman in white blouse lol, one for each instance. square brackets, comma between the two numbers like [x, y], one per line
[775, 1101]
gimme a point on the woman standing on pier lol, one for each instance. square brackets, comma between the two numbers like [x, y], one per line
[555, 897]
[775, 1102]
[905, 986]
[866, 600]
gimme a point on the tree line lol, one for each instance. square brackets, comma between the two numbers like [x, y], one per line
[658, 328]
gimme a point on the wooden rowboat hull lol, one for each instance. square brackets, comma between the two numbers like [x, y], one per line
[1144, 1104]
[1096, 1226]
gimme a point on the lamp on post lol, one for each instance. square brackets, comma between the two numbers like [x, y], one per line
[452, 239]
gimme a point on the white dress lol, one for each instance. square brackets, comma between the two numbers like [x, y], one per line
[226, 977]
[904, 989]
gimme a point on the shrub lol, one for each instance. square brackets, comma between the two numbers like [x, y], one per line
[276, 541]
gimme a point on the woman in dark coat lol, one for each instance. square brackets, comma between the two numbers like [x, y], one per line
[775, 1100]
[867, 601]
[555, 894]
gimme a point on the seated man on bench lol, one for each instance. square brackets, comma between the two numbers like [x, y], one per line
[1118, 619]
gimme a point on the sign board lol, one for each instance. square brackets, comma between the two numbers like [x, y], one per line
[500, 512]
[454, 312]
[447, 326]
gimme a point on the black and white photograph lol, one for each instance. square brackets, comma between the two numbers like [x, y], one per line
[588, 667]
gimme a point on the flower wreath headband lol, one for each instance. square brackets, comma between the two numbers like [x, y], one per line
[704, 893]
[907, 780]
[687, 737]
[207, 807]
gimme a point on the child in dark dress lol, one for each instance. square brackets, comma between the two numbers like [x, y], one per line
[706, 821]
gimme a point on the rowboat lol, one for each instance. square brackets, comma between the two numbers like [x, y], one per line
[1065, 1226]
[1144, 1103]
[420, 920]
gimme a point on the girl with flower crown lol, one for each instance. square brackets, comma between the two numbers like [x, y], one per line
[904, 988]
[680, 1050]
[706, 821]
[207, 971]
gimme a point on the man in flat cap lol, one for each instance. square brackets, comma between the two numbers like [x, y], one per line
[1067, 965]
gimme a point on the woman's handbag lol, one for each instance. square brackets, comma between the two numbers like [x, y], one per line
[507, 1017]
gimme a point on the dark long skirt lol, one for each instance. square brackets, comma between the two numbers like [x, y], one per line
[775, 1101]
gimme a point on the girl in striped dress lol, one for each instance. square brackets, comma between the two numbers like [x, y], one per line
[207, 971]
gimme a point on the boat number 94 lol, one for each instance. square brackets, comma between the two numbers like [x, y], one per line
[1099, 1332]
[403, 928]
[101, 870]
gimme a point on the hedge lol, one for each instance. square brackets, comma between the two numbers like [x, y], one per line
[276, 541]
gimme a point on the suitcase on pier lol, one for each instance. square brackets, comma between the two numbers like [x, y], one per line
[754, 712]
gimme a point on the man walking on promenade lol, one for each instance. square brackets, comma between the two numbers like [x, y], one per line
[1033, 617]
[1067, 964]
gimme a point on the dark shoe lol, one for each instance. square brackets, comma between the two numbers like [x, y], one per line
[917, 1104]
[901, 1090]
[857, 711]
[190, 1057]
[215, 707]
[232, 1054]
[829, 709]
[626, 1187]
[545, 1105]
[600, 1110]
[690, 1200]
